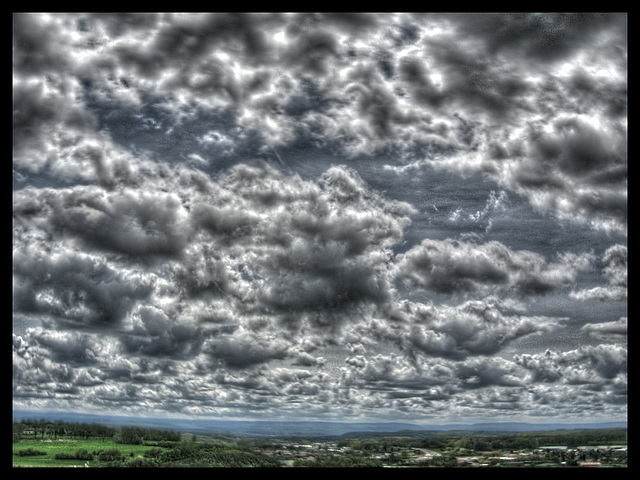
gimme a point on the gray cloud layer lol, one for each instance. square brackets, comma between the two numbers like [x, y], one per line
[168, 272]
[454, 267]
[482, 101]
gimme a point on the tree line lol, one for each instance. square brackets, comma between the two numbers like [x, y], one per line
[41, 429]
[139, 436]
[485, 441]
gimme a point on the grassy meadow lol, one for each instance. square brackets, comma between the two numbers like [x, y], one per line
[69, 446]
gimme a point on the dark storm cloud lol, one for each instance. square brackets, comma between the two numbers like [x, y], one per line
[472, 80]
[74, 287]
[578, 149]
[35, 47]
[539, 36]
[50, 358]
[376, 104]
[430, 380]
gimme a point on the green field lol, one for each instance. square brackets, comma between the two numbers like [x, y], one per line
[53, 447]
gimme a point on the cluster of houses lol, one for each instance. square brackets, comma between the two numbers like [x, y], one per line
[584, 456]
[587, 456]
[586, 453]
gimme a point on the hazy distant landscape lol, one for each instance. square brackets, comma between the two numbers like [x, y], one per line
[95, 441]
[296, 428]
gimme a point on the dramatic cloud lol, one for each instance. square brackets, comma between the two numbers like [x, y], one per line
[616, 330]
[454, 267]
[363, 216]
[615, 272]
[585, 365]
[471, 328]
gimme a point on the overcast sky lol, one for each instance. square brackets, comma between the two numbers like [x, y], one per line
[415, 217]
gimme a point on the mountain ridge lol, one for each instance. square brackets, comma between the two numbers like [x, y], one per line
[300, 427]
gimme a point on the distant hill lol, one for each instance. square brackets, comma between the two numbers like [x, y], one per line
[295, 428]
